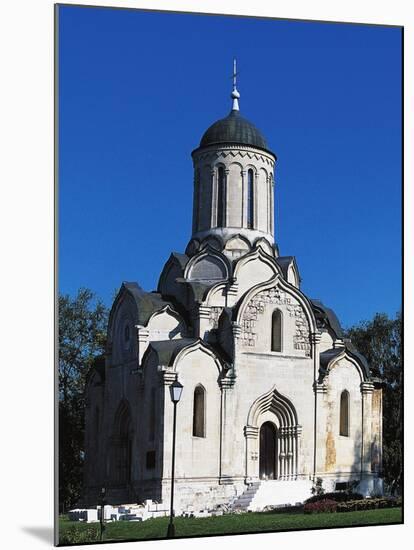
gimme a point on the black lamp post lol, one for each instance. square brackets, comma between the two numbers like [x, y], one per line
[175, 391]
[103, 491]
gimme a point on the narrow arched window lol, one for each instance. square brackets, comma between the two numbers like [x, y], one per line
[199, 412]
[126, 334]
[277, 330]
[250, 198]
[220, 196]
[344, 414]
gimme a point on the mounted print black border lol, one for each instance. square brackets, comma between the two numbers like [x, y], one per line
[56, 232]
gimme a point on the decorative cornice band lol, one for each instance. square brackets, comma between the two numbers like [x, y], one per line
[251, 432]
[367, 387]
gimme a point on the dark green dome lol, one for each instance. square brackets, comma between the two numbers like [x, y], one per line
[233, 129]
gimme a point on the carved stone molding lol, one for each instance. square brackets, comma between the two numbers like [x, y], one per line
[319, 388]
[251, 432]
[367, 387]
[275, 296]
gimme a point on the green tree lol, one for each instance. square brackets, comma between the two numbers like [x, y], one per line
[82, 338]
[379, 341]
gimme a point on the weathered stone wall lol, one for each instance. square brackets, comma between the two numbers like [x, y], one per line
[376, 446]
[343, 453]
[257, 323]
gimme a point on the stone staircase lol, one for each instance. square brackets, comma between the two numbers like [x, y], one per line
[260, 494]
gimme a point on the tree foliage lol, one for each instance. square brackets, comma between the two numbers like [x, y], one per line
[380, 341]
[82, 337]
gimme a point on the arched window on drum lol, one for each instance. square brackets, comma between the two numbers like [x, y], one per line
[250, 199]
[221, 190]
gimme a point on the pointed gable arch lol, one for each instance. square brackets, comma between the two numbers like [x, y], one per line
[254, 268]
[238, 243]
[265, 245]
[330, 358]
[172, 270]
[207, 265]
[201, 346]
[286, 287]
[166, 323]
[277, 404]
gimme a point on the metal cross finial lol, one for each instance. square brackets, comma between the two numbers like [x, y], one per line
[235, 94]
[234, 73]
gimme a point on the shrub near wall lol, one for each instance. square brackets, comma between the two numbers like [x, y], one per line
[368, 504]
[325, 505]
[337, 497]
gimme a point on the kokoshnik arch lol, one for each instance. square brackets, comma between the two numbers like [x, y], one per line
[274, 395]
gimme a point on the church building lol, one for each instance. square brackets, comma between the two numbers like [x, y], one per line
[273, 396]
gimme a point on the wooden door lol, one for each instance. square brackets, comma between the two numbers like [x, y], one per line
[267, 452]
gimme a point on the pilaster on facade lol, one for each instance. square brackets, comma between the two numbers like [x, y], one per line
[243, 175]
[367, 389]
[315, 339]
[214, 201]
[226, 196]
[203, 321]
[255, 201]
[272, 212]
[142, 341]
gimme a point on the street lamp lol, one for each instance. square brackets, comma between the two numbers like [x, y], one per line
[175, 392]
[103, 491]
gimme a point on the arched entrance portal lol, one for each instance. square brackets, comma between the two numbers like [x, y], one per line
[267, 451]
[273, 435]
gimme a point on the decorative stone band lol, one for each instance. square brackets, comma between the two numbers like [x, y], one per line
[290, 430]
[367, 387]
[237, 330]
[142, 333]
[204, 312]
[215, 152]
[319, 388]
[251, 432]
[167, 376]
[233, 288]
[315, 337]
[228, 381]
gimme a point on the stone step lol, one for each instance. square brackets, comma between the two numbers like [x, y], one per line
[273, 493]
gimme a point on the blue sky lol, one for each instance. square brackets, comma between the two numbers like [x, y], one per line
[138, 89]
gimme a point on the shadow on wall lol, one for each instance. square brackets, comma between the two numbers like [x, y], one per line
[362, 468]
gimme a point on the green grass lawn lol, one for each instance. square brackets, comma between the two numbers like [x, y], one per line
[228, 524]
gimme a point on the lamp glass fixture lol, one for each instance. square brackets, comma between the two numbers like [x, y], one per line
[175, 390]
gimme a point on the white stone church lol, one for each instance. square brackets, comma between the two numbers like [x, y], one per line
[274, 396]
